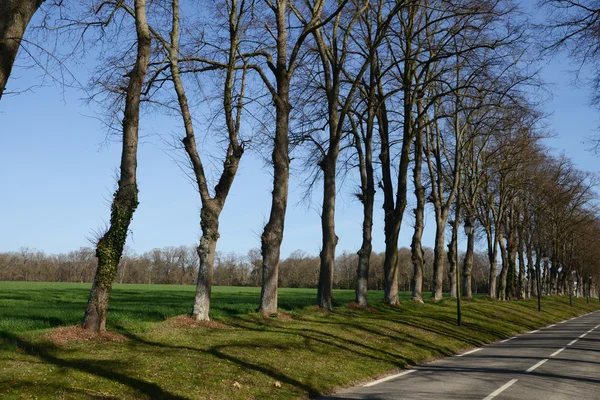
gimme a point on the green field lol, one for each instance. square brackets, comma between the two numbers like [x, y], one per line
[247, 356]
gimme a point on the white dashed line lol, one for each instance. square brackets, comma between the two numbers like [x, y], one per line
[506, 340]
[389, 378]
[537, 330]
[536, 365]
[572, 343]
[469, 352]
[501, 389]
[557, 351]
[582, 335]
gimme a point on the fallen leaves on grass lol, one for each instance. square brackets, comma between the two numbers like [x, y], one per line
[78, 334]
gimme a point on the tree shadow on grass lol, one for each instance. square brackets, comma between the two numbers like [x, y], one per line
[329, 339]
[20, 386]
[44, 352]
[401, 337]
[219, 352]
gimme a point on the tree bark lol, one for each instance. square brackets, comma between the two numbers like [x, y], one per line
[511, 253]
[467, 269]
[273, 233]
[14, 18]
[504, 271]
[325, 287]
[439, 255]
[110, 246]
[522, 284]
[453, 257]
[417, 254]
[492, 256]
[209, 222]
[393, 212]
[364, 254]
[367, 188]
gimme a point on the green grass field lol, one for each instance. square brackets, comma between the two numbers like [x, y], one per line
[248, 356]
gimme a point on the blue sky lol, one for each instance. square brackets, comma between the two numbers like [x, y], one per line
[57, 175]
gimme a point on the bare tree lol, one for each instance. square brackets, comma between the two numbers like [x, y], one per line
[280, 58]
[232, 102]
[110, 246]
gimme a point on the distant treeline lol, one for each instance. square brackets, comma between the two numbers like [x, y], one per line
[179, 265]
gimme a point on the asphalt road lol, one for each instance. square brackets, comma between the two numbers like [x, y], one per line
[561, 361]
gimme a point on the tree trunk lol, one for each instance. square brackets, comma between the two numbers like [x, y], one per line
[368, 196]
[492, 257]
[417, 254]
[14, 18]
[209, 221]
[467, 291]
[511, 276]
[273, 233]
[439, 255]
[504, 270]
[392, 213]
[364, 254]
[394, 205]
[553, 278]
[325, 288]
[522, 286]
[452, 260]
[110, 246]
[390, 265]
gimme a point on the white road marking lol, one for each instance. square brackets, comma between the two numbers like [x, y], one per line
[501, 389]
[506, 340]
[389, 378]
[562, 322]
[582, 335]
[550, 326]
[597, 326]
[537, 330]
[572, 343]
[469, 352]
[536, 365]
[557, 351]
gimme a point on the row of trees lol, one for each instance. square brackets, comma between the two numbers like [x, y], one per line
[179, 265]
[438, 96]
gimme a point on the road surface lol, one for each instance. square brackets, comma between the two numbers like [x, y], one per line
[561, 361]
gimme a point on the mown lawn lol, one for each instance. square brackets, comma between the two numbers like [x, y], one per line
[248, 356]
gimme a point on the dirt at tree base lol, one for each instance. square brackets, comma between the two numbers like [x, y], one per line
[78, 334]
[355, 306]
[186, 321]
[283, 316]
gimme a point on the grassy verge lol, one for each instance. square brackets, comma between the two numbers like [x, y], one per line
[250, 357]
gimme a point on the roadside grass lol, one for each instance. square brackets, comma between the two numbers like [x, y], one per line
[314, 352]
[26, 306]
